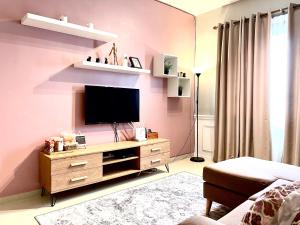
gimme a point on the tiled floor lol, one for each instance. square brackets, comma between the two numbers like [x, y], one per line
[21, 211]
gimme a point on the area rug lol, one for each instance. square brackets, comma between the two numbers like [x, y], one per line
[167, 201]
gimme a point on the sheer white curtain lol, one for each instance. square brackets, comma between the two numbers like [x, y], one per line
[278, 83]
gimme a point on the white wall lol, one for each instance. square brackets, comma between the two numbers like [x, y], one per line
[206, 52]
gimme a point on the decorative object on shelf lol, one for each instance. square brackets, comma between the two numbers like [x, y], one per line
[90, 25]
[125, 60]
[114, 51]
[106, 61]
[135, 62]
[197, 158]
[180, 90]
[167, 66]
[98, 60]
[181, 74]
[64, 19]
[89, 59]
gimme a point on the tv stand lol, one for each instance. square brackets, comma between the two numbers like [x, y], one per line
[67, 170]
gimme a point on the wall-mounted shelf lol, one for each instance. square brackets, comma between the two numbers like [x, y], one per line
[173, 87]
[66, 28]
[159, 62]
[109, 68]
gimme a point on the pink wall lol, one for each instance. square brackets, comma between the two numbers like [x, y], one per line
[41, 94]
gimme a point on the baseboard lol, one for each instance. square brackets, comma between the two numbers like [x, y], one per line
[20, 196]
[181, 157]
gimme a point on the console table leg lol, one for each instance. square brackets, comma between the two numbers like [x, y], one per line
[167, 167]
[53, 200]
[208, 207]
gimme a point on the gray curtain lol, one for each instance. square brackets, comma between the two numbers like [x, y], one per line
[242, 117]
[292, 130]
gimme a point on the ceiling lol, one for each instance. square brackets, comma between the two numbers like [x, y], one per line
[196, 7]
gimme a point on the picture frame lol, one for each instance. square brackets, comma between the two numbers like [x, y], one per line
[135, 62]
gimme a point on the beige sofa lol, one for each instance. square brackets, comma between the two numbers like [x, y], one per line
[237, 183]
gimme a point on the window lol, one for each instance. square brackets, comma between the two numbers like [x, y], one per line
[278, 83]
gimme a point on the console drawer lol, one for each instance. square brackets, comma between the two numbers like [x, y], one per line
[77, 163]
[154, 149]
[71, 180]
[154, 161]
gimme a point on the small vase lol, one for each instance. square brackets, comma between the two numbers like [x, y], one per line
[166, 70]
[180, 91]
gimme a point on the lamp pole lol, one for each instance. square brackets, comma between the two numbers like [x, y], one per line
[197, 158]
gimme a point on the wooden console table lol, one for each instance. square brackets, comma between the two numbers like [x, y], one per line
[63, 171]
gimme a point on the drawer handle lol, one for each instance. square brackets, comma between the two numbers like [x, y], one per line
[155, 161]
[79, 178]
[155, 149]
[78, 164]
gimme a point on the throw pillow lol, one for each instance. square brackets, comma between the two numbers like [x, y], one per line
[265, 208]
[289, 211]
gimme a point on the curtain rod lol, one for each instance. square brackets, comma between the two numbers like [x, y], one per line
[280, 11]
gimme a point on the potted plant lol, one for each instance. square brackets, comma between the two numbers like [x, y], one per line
[167, 66]
[180, 89]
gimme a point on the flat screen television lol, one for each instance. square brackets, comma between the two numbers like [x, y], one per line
[111, 105]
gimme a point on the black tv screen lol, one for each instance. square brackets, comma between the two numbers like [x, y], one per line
[111, 105]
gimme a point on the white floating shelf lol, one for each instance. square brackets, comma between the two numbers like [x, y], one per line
[159, 64]
[175, 83]
[166, 76]
[66, 28]
[109, 68]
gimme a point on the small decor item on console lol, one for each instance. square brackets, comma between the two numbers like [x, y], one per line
[58, 144]
[89, 59]
[151, 134]
[140, 134]
[80, 139]
[98, 60]
[49, 146]
[53, 144]
[69, 141]
[70, 146]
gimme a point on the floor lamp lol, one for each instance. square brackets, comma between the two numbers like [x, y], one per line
[197, 158]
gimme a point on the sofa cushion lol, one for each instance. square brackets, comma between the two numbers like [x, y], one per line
[289, 212]
[200, 220]
[236, 215]
[271, 186]
[264, 211]
[243, 175]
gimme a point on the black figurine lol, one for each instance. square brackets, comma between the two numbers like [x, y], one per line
[89, 59]
[183, 74]
[97, 60]
[106, 61]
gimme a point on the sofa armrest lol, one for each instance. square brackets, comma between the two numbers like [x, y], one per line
[200, 220]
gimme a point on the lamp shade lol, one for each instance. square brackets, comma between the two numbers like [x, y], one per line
[198, 70]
